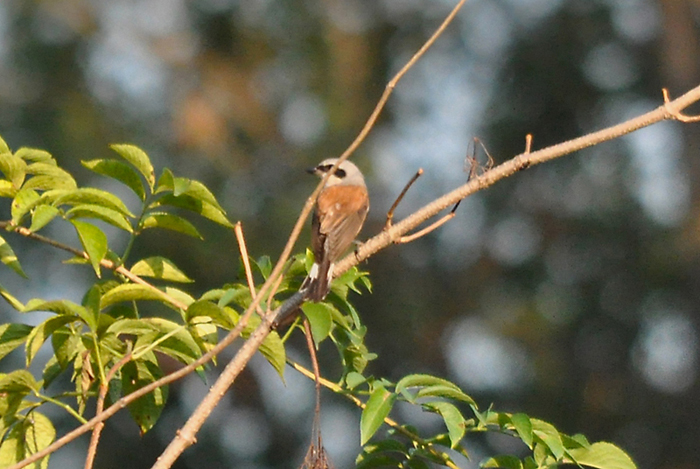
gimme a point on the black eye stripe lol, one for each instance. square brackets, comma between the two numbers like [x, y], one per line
[340, 173]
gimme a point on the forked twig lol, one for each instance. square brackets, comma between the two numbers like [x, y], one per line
[432, 227]
[676, 113]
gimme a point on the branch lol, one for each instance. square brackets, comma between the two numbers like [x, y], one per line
[120, 269]
[670, 110]
[185, 437]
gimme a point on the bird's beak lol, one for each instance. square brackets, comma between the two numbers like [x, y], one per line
[312, 170]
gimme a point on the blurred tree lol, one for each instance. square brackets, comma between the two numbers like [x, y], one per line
[579, 276]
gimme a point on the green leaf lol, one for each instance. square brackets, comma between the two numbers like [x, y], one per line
[3, 146]
[320, 320]
[166, 182]
[139, 159]
[446, 391]
[354, 379]
[19, 381]
[94, 242]
[42, 332]
[66, 343]
[41, 216]
[12, 336]
[27, 437]
[523, 426]
[264, 265]
[7, 189]
[377, 408]
[160, 268]
[22, 203]
[196, 190]
[14, 302]
[372, 461]
[602, 455]
[120, 171]
[549, 436]
[187, 202]
[147, 409]
[169, 222]
[273, 350]
[180, 344]
[179, 295]
[99, 212]
[49, 176]
[415, 463]
[8, 257]
[505, 461]
[91, 196]
[130, 326]
[51, 371]
[13, 167]
[35, 155]
[454, 420]
[207, 309]
[422, 380]
[204, 332]
[129, 292]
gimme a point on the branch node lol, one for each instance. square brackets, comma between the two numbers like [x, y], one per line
[679, 116]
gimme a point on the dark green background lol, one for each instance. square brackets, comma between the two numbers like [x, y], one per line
[569, 291]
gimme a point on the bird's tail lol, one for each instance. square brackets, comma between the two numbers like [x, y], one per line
[318, 283]
[315, 287]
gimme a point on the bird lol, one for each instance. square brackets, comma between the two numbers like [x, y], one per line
[339, 213]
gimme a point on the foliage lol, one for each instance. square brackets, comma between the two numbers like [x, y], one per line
[110, 348]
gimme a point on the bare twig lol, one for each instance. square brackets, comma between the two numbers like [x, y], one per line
[390, 213]
[104, 387]
[428, 229]
[238, 230]
[528, 143]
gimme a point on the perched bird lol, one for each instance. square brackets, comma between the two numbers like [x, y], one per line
[341, 209]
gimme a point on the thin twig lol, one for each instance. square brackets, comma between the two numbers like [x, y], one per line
[528, 143]
[428, 229]
[238, 230]
[352, 398]
[317, 373]
[120, 269]
[390, 213]
[104, 387]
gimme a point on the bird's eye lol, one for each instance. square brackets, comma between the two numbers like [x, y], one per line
[325, 168]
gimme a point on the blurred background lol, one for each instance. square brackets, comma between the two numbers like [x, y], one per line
[570, 291]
